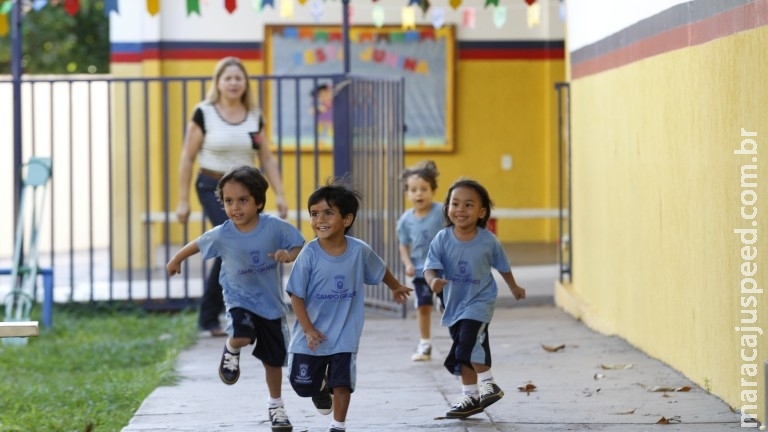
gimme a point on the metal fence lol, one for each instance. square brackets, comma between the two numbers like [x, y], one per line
[115, 143]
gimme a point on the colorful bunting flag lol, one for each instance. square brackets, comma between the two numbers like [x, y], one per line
[4, 24]
[492, 2]
[534, 15]
[193, 6]
[378, 16]
[266, 3]
[256, 5]
[455, 4]
[39, 4]
[468, 17]
[424, 5]
[408, 18]
[6, 7]
[499, 16]
[413, 2]
[230, 5]
[438, 17]
[153, 7]
[530, 2]
[72, 6]
[286, 8]
[316, 9]
[301, 2]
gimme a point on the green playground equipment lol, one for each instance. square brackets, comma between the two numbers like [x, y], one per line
[24, 271]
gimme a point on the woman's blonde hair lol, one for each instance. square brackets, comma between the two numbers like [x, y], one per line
[213, 93]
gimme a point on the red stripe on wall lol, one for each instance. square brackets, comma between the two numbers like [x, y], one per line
[184, 54]
[511, 54]
[745, 17]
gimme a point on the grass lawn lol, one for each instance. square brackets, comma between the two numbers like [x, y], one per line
[92, 370]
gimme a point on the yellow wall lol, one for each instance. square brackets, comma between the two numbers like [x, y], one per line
[656, 197]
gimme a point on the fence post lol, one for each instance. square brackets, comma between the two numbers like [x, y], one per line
[16, 54]
[342, 126]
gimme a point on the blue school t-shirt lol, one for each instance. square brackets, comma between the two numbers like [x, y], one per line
[249, 278]
[471, 289]
[416, 233]
[332, 289]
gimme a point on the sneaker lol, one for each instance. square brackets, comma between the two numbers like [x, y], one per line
[333, 429]
[323, 400]
[464, 407]
[489, 393]
[229, 369]
[279, 419]
[423, 353]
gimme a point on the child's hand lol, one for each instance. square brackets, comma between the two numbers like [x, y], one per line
[173, 268]
[410, 271]
[518, 292]
[437, 285]
[314, 338]
[281, 256]
[401, 293]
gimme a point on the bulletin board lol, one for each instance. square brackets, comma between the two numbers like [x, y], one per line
[424, 57]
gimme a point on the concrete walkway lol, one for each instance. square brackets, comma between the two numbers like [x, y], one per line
[594, 382]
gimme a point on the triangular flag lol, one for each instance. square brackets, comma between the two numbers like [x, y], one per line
[530, 2]
[256, 5]
[316, 9]
[491, 2]
[438, 17]
[230, 5]
[413, 2]
[468, 17]
[424, 5]
[302, 2]
[534, 15]
[4, 24]
[378, 16]
[286, 8]
[39, 4]
[6, 7]
[193, 6]
[499, 16]
[455, 4]
[110, 6]
[266, 3]
[153, 7]
[71, 6]
[409, 18]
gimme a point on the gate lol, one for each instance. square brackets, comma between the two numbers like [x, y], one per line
[115, 143]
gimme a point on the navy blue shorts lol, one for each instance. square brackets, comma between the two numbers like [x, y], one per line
[471, 344]
[424, 295]
[270, 336]
[306, 372]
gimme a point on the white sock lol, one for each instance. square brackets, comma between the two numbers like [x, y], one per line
[486, 376]
[425, 341]
[275, 403]
[230, 349]
[470, 390]
[339, 425]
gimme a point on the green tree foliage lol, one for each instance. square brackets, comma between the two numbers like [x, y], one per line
[56, 43]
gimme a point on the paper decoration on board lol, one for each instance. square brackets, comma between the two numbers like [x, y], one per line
[378, 16]
[6, 7]
[39, 4]
[468, 17]
[193, 6]
[256, 5]
[265, 3]
[408, 17]
[424, 5]
[491, 3]
[230, 6]
[286, 8]
[316, 9]
[534, 15]
[153, 7]
[3, 24]
[70, 6]
[499, 16]
[438, 17]
[530, 2]
[302, 2]
[455, 3]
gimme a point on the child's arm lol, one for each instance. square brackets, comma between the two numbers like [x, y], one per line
[174, 265]
[405, 257]
[314, 336]
[434, 282]
[285, 255]
[399, 291]
[517, 291]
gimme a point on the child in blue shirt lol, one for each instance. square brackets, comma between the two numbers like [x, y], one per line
[251, 246]
[415, 230]
[459, 265]
[326, 288]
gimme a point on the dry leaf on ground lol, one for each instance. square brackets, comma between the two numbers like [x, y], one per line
[670, 389]
[664, 420]
[616, 366]
[528, 388]
[549, 348]
[626, 412]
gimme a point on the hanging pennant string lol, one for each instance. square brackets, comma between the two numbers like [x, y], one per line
[39, 4]
[153, 7]
[6, 7]
[109, 6]
[193, 6]
[230, 5]
[4, 23]
[72, 6]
